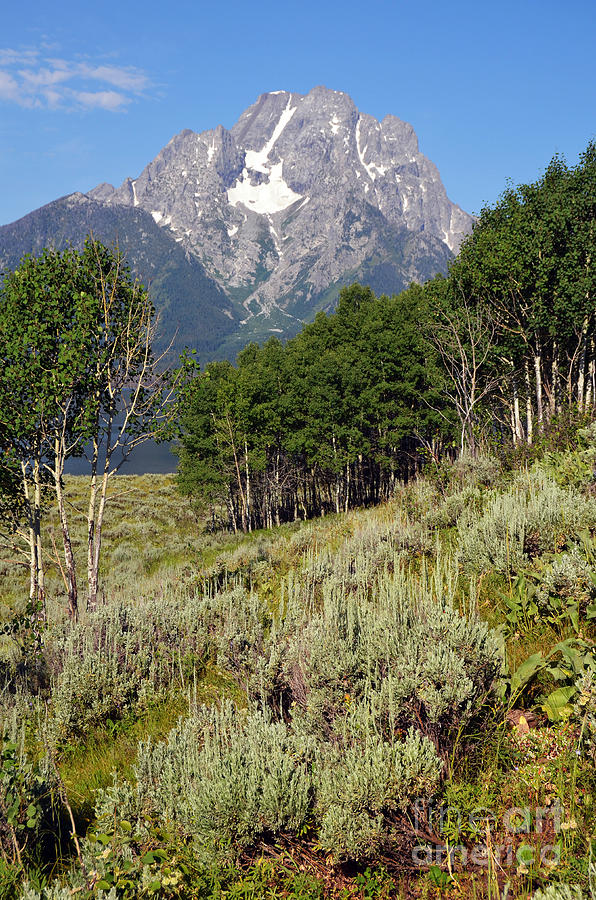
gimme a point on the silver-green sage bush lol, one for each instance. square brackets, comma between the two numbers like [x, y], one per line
[534, 516]
[358, 688]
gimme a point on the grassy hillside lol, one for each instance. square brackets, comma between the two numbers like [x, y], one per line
[394, 702]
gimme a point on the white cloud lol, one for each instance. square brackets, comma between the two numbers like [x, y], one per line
[42, 77]
[9, 89]
[126, 79]
[31, 79]
[18, 57]
[101, 99]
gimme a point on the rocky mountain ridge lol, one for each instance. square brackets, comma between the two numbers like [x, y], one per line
[302, 195]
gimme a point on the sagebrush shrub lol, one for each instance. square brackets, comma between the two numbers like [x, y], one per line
[225, 777]
[121, 659]
[535, 515]
[58, 891]
[471, 471]
[568, 577]
[448, 509]
[405, 648]
[560, 892]
[362, 790]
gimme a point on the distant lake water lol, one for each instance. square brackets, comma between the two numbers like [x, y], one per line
[147, 459]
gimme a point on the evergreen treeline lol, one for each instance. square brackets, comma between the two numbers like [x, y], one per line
[498, 348]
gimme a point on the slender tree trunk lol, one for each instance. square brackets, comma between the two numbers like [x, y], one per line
[591, 375]
[232, 512]
[471, 437]
[538, 377]
[517, 423]
[238, 475]
[69, 561]
[554, 401]
[93, 489]
[97, 538]
[528, 404]
[277, 489]
[347, 497]
[588, 400]
[337, 478]
[95, 524]
[40, 573]
[581, 374]
[32, 536]
[248, 498]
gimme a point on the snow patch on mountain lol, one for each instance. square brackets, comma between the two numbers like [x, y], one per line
[265, 198]
[270, 196]
[257, 160]
[372, 168]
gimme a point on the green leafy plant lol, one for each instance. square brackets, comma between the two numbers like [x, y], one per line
[131, 863]
[576, 658]
[520, 603]
[375, 884]
[439, 879]
[28, 802]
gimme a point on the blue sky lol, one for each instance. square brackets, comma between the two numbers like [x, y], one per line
[91, 92]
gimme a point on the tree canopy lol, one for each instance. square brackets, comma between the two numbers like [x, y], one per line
[324, 422]
[529, 269]
[79, 378]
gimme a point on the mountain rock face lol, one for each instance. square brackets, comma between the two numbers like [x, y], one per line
[303, 195]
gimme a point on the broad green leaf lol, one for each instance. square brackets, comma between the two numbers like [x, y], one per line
[557, 706]
[526, 671]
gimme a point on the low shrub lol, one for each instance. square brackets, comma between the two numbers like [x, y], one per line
[400, 647]
[566, 590]
[560, 892]
[121, 659]
[534, 516]
[225, 777]
[472, 471]
[365, 791]
[450, 508]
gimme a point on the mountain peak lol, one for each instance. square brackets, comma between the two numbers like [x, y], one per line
[304, 193]
[300, 191]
